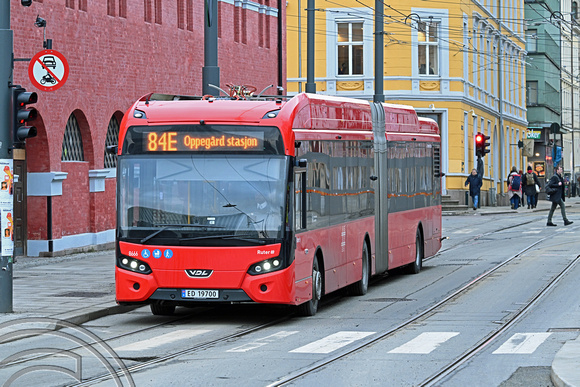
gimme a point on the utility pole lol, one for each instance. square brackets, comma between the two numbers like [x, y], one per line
[6, 56]
[210, 71]
[573, 175]
[379, 51]
[310, 25]
[500, 96]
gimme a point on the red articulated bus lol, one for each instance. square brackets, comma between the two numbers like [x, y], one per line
[271, 200]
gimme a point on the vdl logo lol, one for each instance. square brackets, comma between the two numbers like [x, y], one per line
[32, 363]
[198, 273]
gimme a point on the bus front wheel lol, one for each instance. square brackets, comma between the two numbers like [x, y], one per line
[159, 308]
[310, 307]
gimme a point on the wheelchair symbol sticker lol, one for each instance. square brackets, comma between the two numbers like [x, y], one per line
[145, 253]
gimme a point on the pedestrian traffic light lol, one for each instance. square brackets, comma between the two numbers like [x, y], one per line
[21, 115]
[481, 144]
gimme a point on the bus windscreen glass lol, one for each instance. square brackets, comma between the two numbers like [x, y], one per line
[192, 199]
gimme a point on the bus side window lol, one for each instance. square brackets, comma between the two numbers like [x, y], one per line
[300, 201]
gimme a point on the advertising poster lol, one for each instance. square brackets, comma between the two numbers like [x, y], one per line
[6, 206]
[540, 168]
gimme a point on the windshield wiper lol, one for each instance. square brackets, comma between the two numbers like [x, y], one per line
[225, 236]
[168, 226]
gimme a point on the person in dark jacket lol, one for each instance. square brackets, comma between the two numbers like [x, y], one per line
[556, 184]
[474, 181]
[529, 181]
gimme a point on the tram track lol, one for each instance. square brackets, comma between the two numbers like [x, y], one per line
[464, 357]
[485, 234]
[474, 350]
[342, 354]
[171, 356]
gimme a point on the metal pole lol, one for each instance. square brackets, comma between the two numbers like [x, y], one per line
[299, 46]
[500, 95]
[310, 25]
[6, 55]
[210, 71]
[379, 51]
[573, 175]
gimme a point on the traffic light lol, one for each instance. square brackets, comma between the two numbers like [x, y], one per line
[481, 144]
[21, 115]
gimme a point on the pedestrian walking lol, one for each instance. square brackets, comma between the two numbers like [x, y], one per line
[474, 181]
[530, 182]
[514, 188]
[555, 188]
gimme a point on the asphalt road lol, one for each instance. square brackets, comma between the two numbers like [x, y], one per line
[491, 309]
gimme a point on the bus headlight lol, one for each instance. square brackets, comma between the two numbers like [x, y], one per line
[267, 266]
[133, 264]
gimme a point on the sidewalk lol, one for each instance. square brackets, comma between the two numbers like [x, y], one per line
[543, 205]
[76, 288]
[81, 287]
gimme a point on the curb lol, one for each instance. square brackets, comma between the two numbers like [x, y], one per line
[91, 313]
[565, 371]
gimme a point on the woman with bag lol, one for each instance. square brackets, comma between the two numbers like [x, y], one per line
[531, 185]
[514, 188]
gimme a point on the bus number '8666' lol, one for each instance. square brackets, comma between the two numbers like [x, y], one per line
[133, 254]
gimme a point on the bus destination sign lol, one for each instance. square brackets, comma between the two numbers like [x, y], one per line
[199, 141]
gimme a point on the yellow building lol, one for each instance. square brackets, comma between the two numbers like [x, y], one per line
[461, 63]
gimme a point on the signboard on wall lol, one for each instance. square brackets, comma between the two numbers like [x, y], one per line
[540, 168]
[533, 134]
[6, 207]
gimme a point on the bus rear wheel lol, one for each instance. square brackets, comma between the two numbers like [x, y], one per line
[159, 308]
[361, 287]
[310, 308]
[416, 266]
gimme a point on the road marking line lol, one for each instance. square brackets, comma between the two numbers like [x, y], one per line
[522, 343]
[532, 232]
[263, 341]
[465, 231]
[167, 338]
[425, 343]
[332, 342]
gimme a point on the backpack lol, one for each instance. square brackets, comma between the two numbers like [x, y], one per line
[516, 182]
[550, 190]
[530, 179]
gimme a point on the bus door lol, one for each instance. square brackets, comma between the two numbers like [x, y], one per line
[379, 183]
[302, 254]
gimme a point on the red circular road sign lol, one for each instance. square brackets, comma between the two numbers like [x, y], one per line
[48, 70]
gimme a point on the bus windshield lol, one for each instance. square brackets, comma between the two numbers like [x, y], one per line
[202, 198]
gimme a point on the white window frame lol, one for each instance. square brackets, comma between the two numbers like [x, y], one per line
[333, 16]
[423, 40]
[350, 43]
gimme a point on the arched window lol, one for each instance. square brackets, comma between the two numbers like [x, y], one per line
[72, 144]
[112, 139]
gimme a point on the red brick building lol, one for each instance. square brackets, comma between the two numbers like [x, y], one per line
[117, 50]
